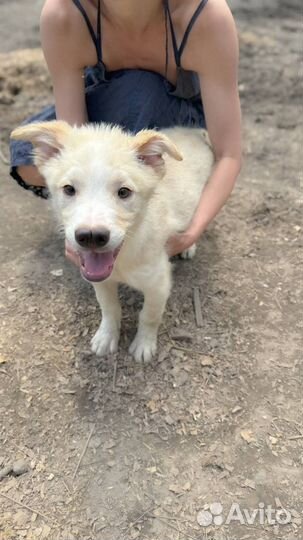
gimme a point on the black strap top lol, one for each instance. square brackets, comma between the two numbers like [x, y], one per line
[187, 85]
[178, 51]
[96, 36]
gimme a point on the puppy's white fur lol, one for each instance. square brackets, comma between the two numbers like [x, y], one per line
[165, 185]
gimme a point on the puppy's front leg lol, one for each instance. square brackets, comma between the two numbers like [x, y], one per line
[106, 339]
[156, 291]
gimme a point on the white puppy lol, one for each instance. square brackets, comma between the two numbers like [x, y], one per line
[120, 197]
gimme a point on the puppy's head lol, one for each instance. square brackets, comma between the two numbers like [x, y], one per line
[100, 179]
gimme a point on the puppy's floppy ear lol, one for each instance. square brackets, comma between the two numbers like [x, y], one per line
[48, 138]
[151, 145]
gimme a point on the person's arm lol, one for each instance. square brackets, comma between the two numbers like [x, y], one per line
[215, 58]
[61, 32]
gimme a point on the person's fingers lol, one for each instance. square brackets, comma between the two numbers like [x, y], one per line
[72, 255]
[74, 258]
[173, 247]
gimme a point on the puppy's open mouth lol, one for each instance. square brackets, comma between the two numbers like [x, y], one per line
[97, 266]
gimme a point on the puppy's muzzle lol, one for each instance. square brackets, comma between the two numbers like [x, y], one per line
[92, 238]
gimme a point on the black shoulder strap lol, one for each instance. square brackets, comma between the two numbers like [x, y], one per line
[96, 37]
[179, 50]
[172, 31]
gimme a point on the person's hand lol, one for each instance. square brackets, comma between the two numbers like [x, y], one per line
[72, 255]
[180, 242]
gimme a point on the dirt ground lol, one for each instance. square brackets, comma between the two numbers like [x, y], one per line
[118, 451]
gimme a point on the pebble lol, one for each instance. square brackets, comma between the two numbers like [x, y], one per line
[181, 335]
[20, 467]
[57, 272]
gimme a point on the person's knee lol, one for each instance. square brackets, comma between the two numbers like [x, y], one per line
[30, 175]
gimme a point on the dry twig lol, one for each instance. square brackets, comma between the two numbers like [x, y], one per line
[33, 510]
[197, 307]
[115, 375]
[83, 451]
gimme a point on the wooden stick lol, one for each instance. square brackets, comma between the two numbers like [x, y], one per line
[115, 375]
[197, 307]
[83, 451]
[33, 510]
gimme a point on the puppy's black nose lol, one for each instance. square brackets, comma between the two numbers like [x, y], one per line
[92, 238]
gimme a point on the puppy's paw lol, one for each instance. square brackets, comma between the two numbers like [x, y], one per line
[143, 348]
[189, 253]
[105, 341]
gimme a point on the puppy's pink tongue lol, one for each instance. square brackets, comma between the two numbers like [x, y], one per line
[97, 266]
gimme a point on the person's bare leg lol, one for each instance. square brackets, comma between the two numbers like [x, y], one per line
[30, 175]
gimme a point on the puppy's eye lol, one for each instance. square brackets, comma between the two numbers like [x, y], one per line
[124, 193]
[69, 190]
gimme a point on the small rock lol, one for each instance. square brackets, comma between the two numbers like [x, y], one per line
[181, 335]
[207, 361]
[236, 409]
[248, 436]
[273, 440]
[20, 467]
[57, 273]
[153, 405]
